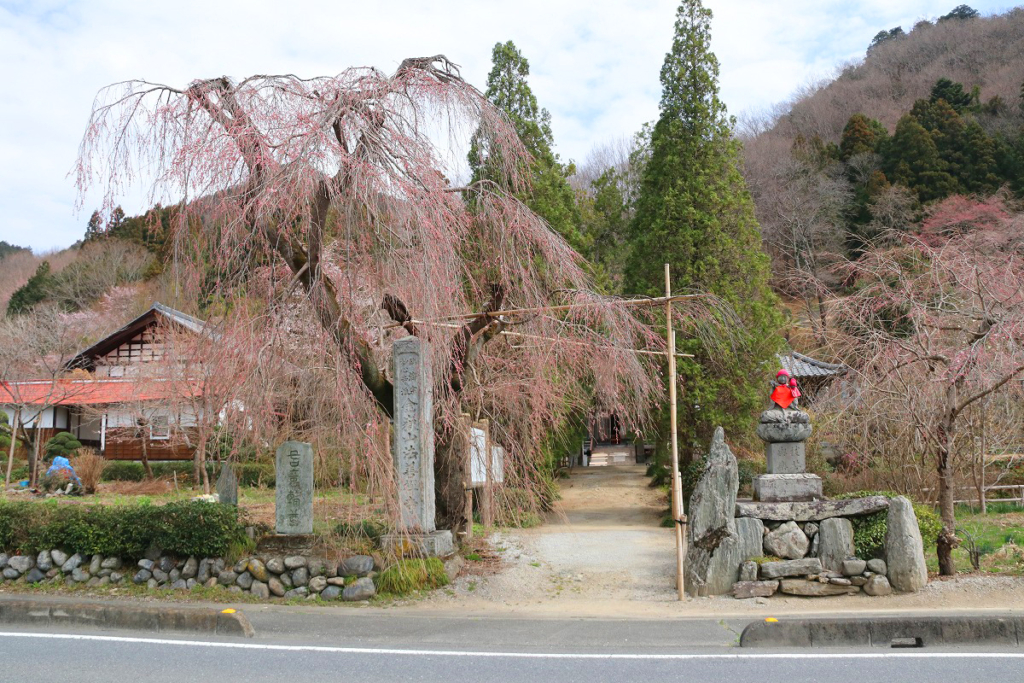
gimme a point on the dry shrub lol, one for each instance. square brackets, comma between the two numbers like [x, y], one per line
[151, 487]
[89, 466]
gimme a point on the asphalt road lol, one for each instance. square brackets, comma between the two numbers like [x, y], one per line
[94, 658]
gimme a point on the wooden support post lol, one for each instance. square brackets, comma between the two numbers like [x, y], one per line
[677, 486]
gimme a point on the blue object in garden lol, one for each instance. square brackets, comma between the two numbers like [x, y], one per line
[62, 464]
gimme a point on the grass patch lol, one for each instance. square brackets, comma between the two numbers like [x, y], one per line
[407, 576]
[997, 536]
[473, 557]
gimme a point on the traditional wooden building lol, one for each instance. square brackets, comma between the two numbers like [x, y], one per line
[811, 374]
[125, 395]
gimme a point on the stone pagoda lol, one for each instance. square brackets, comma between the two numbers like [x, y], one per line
[784, 428]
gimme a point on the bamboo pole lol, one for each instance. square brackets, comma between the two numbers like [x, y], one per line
[677, 489]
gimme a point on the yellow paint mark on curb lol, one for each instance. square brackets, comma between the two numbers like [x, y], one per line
[227, 611]
[770, 620]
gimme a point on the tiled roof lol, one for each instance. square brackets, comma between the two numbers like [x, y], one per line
[81, 392]
[195, 324]
[800, 365]
[86, 358]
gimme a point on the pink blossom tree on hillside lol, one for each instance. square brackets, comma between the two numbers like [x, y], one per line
[319, 212]
[936, 324]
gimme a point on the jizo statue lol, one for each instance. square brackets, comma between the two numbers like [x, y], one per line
[786, 393]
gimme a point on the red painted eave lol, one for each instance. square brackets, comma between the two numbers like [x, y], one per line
[80, 392]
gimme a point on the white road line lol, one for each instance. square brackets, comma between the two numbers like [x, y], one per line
[519, 655]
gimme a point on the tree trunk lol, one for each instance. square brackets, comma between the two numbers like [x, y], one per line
[145, 457]
[14, 443]
[947, 537]
[822, 320]
[450, 453]
[33, 461]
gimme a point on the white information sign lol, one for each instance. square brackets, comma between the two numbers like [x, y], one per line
[478, 464]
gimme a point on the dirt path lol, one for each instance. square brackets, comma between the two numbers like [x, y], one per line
[602, 553]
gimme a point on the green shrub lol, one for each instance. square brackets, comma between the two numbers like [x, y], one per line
[869, 530]
[182, 528]
[122, 470]
[62, 443]
[869, 535]
[168, 469]
[748, 469]
[518, 508]
[369, 529]
[407, 576]
[256, 474]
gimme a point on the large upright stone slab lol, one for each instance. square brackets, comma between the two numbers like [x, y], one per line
[227, 485]
[904, 549]
[751, 534]
[294, 493]
[715, 549]
[414, 435]
[835, 543]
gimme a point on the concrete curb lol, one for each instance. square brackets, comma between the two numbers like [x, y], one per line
[127, 617]
[892, 632]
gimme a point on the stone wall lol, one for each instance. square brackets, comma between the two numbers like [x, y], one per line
[264, 577]
[815, 547]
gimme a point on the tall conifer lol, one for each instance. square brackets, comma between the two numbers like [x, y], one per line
[694, 211]
[549, 195]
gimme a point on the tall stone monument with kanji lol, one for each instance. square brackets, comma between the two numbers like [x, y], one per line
[413, 453]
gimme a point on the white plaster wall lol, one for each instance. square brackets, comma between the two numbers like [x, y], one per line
[51, 418]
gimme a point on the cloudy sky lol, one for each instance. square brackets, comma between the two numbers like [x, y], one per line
[594, 64]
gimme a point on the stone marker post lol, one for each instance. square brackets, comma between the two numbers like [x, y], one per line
[414, 435]
[227, 484]
[294, 496]
[413, 452]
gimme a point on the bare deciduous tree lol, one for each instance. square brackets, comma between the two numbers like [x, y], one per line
[324, 208]
[932, 329]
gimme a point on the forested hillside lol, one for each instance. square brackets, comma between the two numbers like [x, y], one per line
[121, 251]
[929, 124]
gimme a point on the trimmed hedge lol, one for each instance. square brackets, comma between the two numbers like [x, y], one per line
[249, 473]
[131, 470]
[181, 528]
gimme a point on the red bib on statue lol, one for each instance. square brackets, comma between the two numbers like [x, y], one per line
[782, 395]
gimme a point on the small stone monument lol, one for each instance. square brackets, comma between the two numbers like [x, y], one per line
[294, 495]
[784, 428]
[413, 452]
[227, 484]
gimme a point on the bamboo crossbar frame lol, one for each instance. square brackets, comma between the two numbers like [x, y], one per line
[649, 301]
[524, 335]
